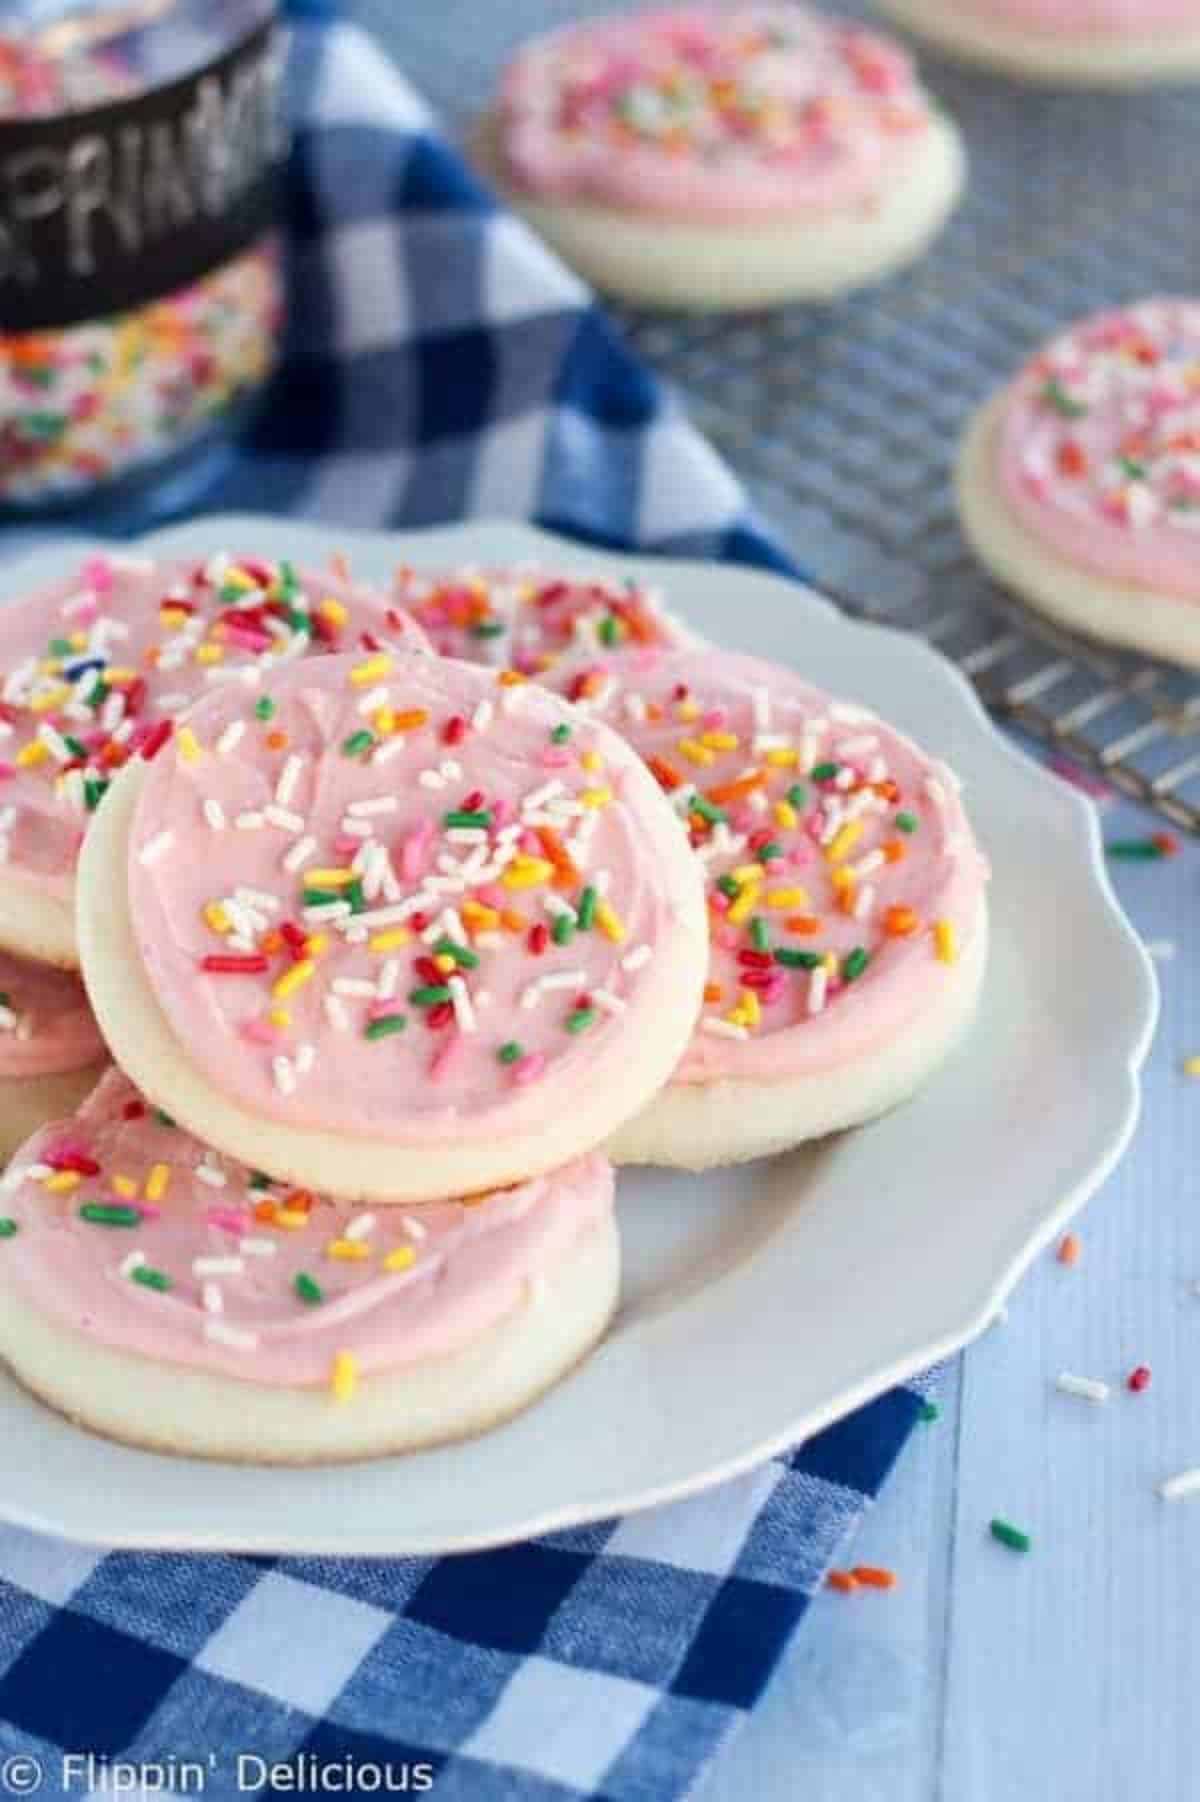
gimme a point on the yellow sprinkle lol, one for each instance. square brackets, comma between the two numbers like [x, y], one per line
[1191, 1066]
[120, 676]
[480, 918]
[786, 816]
[695, 752]
[188, 745]
[172, 617]
[401, 1259]
[77, 640]
[610, 923]
[333, 611]
[446, 964]
[53, 697]
[384, 721]
[279, 1016]
[510, 678]
[125, 1187]
[348, 1251]
[62, 1182]
[787, 897]
[216, 917]
[844, 841]
[596, 797]
[783, 758]
[688, 710]
[842, 880]
[946, 942]
[591, 760]
[237, 578]
[34, 752]
[527, 872]
[831, 963]
[317, 942]
[328, 878]
[156, 1182]
[293, 979]
[748, 1003]
[290, 1218]
[743, 907]
[391, 940]
[210, 653]
[721, 741]
[364, 673]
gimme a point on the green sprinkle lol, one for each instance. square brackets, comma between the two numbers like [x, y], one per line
[460, 816]
[608, 631]
[431, 996]
[728, 887]
[929, 1412]
[102, 1213]
[259, 1179]
[563, 929]
[386, 1025]
[73, 745]
[94, 791]
[511, 1052]
[320, 897]
[1135, 850]
[1056, 396]
[353, 892]
[307, 1289]
[797, 794]
[463, 957]
[488, 628]
[907, 822]
[825, 772]
[298, 620]
[61, 647]
[770, 852]
[1011, 1536]
[8, 1227]
[798, 960]
[357, 743]
[150, 1278]
[855, 964]
[1132, 468]
[560, 735]
[231, 593]
[587, 908]
[44, 425]
[581, 1019]
[264, 708]
[714, 815]
[760, 935]
[288, 583]
[98, 696]
[162, 1116]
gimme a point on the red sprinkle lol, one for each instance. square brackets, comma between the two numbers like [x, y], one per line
[133, 1110]
[73, 1160]
[455, 730]
[155, 739]
[539, 938]
[1166, 842]
[222, 964]
[1139, 1378]
[439, 1016]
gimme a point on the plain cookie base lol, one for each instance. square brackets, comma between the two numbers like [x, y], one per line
[380, 1170]
[197, 1414]
[698, 1126]
[1084, 61]
[1160, 625]
[37, 925]
[29, 1102]
[720, 267]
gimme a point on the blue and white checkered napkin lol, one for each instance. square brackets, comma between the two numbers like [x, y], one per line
[443, 364]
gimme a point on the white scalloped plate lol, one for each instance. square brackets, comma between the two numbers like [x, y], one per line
[758, 1304]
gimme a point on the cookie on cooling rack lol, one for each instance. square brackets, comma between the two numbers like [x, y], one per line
[1108, 43]
[1079, 484]
[723, 158]
[169, 1298]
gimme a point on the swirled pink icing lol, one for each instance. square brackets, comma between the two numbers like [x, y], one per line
[195, 1260]
[1098, 446]
[533, 619]
[843, 878]
[1099, 18]
[745, 111]
[46, 1025]
[423, 899]
[102, 662]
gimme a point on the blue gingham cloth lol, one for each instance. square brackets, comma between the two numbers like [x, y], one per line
[440, 364]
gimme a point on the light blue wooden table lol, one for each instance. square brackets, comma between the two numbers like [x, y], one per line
[1072, 1675]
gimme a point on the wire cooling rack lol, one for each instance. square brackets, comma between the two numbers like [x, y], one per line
[843, 420]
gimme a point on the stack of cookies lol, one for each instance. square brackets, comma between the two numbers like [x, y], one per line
[396, 947]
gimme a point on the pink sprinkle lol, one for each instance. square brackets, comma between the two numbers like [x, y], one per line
[446, 1056]
[719, 903]
[7, 771]
[346, 847]
[414, 852]
[714, 719]
[529, 1068]
[503, 811]
[382, 1010]
[147, 1210]
[531, 843]
[249, 641]
[726, 936]
[97, 573]
[227, 1221]
[492, 896]
[66, 1149]
[555, 758]
[258, 1032]
[1080, 778]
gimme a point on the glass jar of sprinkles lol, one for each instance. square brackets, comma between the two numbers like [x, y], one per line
[140, 289]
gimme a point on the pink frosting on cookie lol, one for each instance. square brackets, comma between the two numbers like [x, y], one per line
[712, 113]
[421, 901]
[194, 1260]
[532, 620]
[1100, 18]
[1099, 446]
[842, 875]
[92, 668]
[46, 1025]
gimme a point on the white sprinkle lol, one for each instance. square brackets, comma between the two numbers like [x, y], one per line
[389, 979]
[355, 985]
[154, 848]
[483, 716]
[230, 738]
[389, 749]
[537, 1290]
[637, 959]
[256, 897]
[379, 804]
[818, 984]
[1087, 1388]
[723, 1029]
[847, 714]
[864, 901]
[214, 814]
[464, 1013]
[607, 1001]
[414, 1228]
[232, 1336]
[564, 979]
[540, 796]
[257, 1248]
[1176, 1488]
[250, 821]
[373, 700]
[361, 1227]
[1161, 950]
[204, 1267]
[935, 791]
[284, 1074]
[323, 911]
[857, 746]
[274, 815]
[336, 1014]
[133, 1262]
[211, 1298]
[306, 1057]
[430, 779]
[760, 701]
[300, 852]
[54, 742]
[208, 1173]
[289, 775]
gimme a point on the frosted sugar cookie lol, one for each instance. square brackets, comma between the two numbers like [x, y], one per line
[533, 620]
[51, 1052]
[392, 927]
[723, 157]
[167, 1297]
[96, 669]
[1079, 484]
[845, 895]
[1110, 43]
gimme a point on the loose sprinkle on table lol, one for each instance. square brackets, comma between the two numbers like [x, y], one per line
[1013, 1537]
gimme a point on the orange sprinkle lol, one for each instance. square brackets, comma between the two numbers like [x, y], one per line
[265, 1211]
[566, 875]
[409, 720]
[874, 1576]
[712, 991]
[842, 1580]
[734, 791]
[510, 678]
[1069, 1249]
[276, 741]
[899, 922]
[513, 921]
[805, 924]
[664, 773]
[895, 850]
[271, 942]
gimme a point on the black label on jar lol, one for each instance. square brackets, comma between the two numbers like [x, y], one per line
[106, 209]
